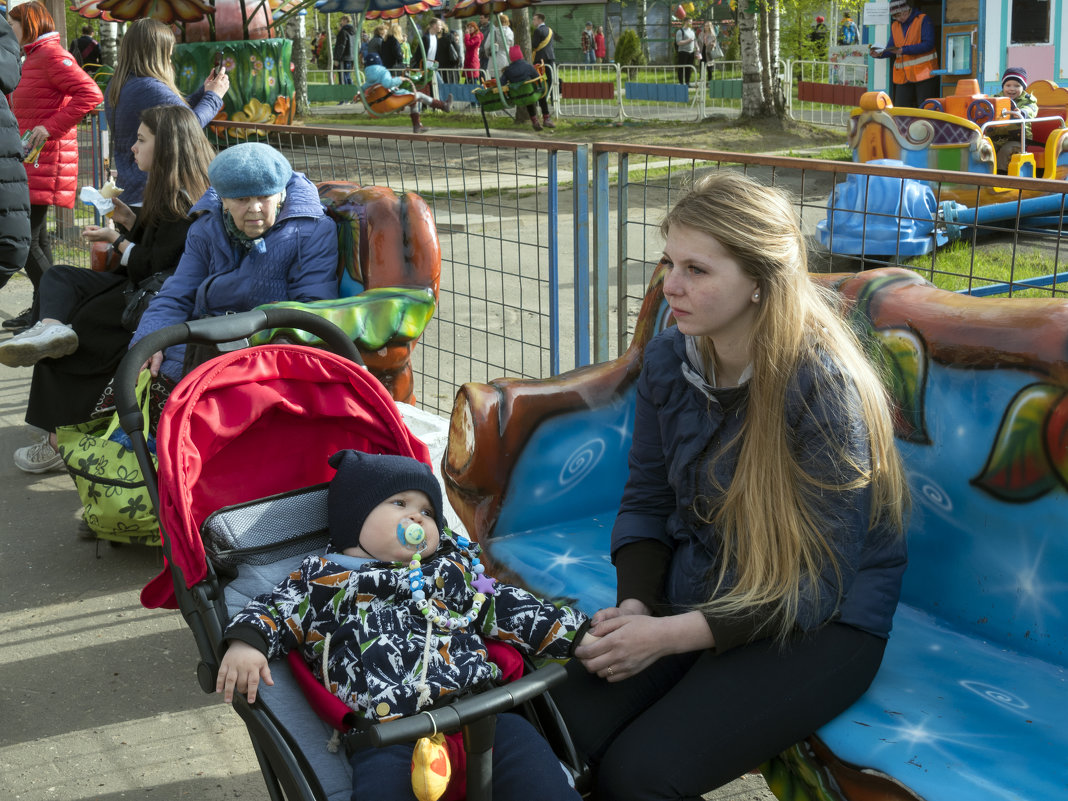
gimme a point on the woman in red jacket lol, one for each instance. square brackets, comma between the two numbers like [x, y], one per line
[472, 42]
[53, 95]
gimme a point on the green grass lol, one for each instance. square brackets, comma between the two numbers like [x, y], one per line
[958, 266]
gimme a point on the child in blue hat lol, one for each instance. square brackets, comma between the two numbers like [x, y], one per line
[375, 74]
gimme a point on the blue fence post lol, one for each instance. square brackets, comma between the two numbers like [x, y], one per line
[581, 184]
[554, 264]
[622, 210]
[601, 233]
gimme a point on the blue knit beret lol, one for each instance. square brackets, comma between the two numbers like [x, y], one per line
[364, 480]
[370, 58]
[252, 169]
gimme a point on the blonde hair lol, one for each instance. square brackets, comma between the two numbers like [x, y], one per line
[396, 31]
[145, 52]
[773, 537]
[505, 21]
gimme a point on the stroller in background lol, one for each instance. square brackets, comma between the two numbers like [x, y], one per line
[243, 445]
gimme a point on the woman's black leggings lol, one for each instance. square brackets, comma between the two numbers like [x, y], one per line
[40, 256]
[691, 723]
[39, 259]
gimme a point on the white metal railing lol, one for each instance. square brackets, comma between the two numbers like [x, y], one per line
[589, 90]
[611, 91]
[825, 92]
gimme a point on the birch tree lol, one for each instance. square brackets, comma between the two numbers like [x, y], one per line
[763, 93]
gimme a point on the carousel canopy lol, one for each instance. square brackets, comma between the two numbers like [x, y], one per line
[473, 8]
[166, 11]
[377, 9]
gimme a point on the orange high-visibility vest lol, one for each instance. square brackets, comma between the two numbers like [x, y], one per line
[914, 68]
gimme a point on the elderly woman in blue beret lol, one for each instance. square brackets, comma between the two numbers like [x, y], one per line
[262, 236]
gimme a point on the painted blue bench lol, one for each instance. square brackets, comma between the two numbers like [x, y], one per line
[972, 696]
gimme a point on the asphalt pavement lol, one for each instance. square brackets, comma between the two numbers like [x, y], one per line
[98, 698]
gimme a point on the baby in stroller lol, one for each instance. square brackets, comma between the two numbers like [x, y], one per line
[391, 640]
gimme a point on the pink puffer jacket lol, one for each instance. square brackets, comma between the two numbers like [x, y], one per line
[56, 93]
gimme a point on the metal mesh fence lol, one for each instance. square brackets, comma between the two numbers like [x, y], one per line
[506, 218]
[546, 257]
[856, 216]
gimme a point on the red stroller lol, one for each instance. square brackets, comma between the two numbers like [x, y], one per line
[242, 447]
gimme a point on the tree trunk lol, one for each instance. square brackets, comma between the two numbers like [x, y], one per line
[764, 37]
[643, 14]
[521, 29]
[295, 30]
[777, 98]
[752, 69]
[109, 43]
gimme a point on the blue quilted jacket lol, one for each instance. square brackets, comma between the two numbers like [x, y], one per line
[680, 427]
[374, 636]
[295, 260]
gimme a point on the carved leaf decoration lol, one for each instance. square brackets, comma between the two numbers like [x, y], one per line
[1019, 467]
[904, 362]
[372, 319]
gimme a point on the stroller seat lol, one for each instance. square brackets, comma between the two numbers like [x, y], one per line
[243, 445]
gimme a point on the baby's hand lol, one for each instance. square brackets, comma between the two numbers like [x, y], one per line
[242, 668]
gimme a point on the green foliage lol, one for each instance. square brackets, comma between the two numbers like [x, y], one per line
[629, 49]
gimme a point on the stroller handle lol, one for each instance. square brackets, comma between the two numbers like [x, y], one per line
[214, 331]
[469, 709]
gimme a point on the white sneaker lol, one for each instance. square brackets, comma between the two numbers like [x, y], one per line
[42, 341]
[40, 457]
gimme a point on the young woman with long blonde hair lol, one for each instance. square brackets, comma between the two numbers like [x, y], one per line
[759, 544]
[144, 78]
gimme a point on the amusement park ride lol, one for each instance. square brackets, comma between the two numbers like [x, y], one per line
[879, 215]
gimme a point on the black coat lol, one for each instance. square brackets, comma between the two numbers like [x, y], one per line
[547, 53]
[14, 194]
[64, 391]
[449, 55]
[344, 44]
[392, 55]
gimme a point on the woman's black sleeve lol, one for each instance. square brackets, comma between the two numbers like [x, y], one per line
[641, 568]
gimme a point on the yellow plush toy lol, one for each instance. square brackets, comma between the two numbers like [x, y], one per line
[431, 769]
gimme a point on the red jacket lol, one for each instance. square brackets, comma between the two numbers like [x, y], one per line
[54, 92]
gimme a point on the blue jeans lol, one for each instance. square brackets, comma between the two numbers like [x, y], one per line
[346, 72]
[591, 57]
[524, 768]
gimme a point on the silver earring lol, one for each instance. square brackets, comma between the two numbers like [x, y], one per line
[756, 296]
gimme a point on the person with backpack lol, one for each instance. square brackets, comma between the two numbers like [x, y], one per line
[86, 51]
[848, 34]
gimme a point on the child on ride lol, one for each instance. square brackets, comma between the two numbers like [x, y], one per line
[392, 620]
[375, 74]
[520, 71]
[1006, 138]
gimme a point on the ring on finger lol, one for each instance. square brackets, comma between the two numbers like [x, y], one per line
[609, 671]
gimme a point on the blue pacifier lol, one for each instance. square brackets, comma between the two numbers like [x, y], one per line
[410, 533]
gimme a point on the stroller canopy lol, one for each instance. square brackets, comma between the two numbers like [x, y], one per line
[257, 422]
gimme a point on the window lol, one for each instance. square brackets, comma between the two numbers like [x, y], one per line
[1030, 21]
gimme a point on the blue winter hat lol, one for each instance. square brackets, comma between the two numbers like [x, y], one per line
[370, 59]
[252, 169]
[364, 480]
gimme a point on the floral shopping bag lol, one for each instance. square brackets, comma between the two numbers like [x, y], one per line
[108, 477]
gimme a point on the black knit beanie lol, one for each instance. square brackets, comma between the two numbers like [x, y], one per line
[364, 480]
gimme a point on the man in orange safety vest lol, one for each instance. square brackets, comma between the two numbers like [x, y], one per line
[912, 46]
